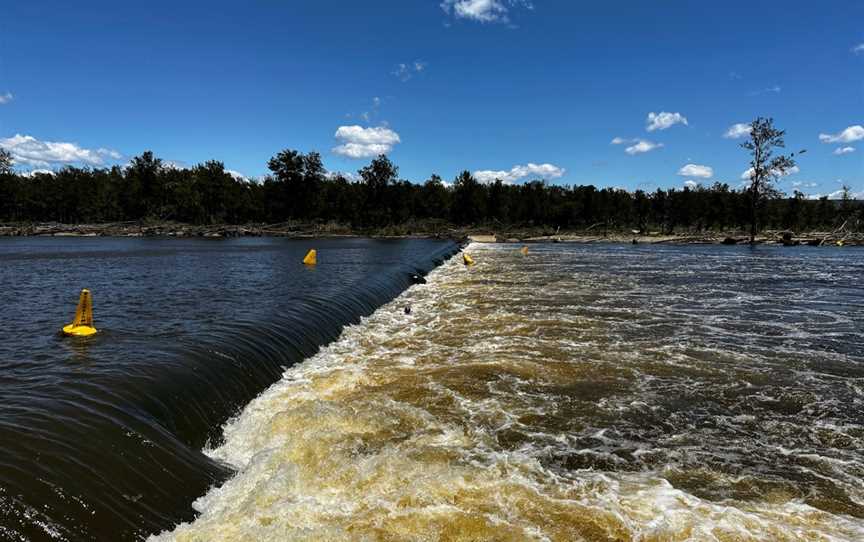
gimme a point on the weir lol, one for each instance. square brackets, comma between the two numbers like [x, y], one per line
[125, 458]
[548, 398]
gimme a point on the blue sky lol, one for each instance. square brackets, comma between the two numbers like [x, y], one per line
[499, 87]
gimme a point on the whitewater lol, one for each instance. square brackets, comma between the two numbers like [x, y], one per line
[576, 393]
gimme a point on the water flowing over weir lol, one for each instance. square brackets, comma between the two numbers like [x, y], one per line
[101, 439]
[578, 393]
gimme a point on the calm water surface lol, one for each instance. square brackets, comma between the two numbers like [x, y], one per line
[101, 439]
[579, 393]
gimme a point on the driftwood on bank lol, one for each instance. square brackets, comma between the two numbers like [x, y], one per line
[436, 229]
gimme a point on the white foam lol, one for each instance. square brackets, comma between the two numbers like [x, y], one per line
[441, 425]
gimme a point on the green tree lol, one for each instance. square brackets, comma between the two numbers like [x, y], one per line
[469, 200]
[765, 168]
[377, 177]
[435, 199]
[296, 186]
[144, 194]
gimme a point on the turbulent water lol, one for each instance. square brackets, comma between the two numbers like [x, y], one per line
[576, 393]
[101, 438]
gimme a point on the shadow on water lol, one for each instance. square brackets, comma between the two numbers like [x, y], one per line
[101, 438]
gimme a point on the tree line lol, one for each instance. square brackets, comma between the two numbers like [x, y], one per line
[299, 188]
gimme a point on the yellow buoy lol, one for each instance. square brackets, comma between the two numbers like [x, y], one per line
[467, 259]
[82, 325]
[311, 258]
[524, 251]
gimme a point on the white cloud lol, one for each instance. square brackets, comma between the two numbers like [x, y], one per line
[838, 194]
[641, 146]
[368, 116]
[850, 134]
[353, 177]
[695, 170]
[6, 98]
[858, 48]
[34, 172]
[483, 11]
[516, 173]
[618, 141]
[791, 171]
[406, 71]
[738, 130]
[664, 120]
[844, 150]
[169, 164]
[359, 142]
[27, 150]
[691, 183]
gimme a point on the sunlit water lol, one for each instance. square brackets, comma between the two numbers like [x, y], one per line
[576, 393]
[101, 438]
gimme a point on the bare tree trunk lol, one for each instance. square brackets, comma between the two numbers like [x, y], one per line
[753, 204]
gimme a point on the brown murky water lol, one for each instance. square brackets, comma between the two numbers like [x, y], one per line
[576, 393]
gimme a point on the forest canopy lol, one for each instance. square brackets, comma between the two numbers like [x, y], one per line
[299, 188]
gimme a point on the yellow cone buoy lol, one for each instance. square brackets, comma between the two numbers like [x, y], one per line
[467, 259]
[311, 258]
[82, 325]
[524, 251]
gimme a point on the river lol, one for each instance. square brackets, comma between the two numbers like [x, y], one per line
[580, 392]
[102, 439]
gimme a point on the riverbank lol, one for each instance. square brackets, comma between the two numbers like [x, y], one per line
[432, 229]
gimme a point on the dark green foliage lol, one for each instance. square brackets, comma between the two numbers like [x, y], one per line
[295, 190]
[299, 189]
[765, 168]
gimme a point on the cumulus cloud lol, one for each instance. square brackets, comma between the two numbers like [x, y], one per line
[517, 173]
[696, 170]
[844, 150]
[642, 146]
[6, 98]
[691, 183]
[483, 11]
[791, 171]
[618, 141]
[27, 150]
[738, 130]
[850, 134]
[858, 48]
[664, 120]
[360, 142]
[406, 71]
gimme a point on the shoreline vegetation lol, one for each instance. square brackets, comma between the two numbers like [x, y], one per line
[435, 229]
[300, 198]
